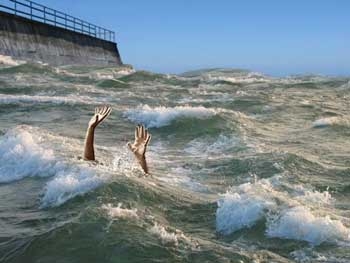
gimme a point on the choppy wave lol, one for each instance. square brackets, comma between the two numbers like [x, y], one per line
[14, 99]
[70, 182]
[205, 146]
[8, 60]
[119, 212]
[288, 215]
[170, 238]
[167, 238]
[22, 155]
[331, 121]
[142, 76]
[232, 124]
[246, 78]
[162, 116]
[243, 207]
[300, 224]
[95, 73]
[24, 152]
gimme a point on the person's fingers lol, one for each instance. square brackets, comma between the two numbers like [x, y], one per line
[106, 114]
[146, 133]
[106, 110]
[109, 111]
[129, 145]
[142, 132]
[139, 132]
[148, 139]
[136, 132]
[103, 109]
[96, 110]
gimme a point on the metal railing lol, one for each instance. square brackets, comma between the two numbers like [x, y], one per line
[41, 13]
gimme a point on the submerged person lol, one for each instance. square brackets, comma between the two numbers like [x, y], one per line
[139, 147]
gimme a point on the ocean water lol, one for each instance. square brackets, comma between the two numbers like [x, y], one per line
[244, 167]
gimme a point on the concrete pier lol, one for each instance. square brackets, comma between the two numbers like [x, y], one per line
[33, 41]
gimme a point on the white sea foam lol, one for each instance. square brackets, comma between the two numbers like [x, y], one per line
[163, 116]
[310, 255]
[300, 224]
[242, 207]
[210, 97]
[11, 99]
[181, 177]
[126, 71]
[251, 77]
[22, 155]
[306, 196]
[7, 60]
[202, 146]
[119, 212]
[167, 237]
[109, 73]
[70, 182]
[26, 152]
[330, 121]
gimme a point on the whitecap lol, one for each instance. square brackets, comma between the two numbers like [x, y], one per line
[26, 152]
[119, 212]
[70, 182]
[201, 146]
[242, 207]
[22, 155]
[163, 116]
[300, 224]
[166, 238]
[330, 121]
[9, 61]
[73, 99]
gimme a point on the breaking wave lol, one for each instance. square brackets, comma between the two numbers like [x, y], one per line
[69, 183]
[14, 99]
[22, 155]
[25, 152]
[243, 207]
[9, 61]
[331, 121]
[300, 224]
[162, 116]
[288, 215]
[119, 212]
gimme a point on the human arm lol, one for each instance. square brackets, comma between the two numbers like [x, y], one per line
[100, 114]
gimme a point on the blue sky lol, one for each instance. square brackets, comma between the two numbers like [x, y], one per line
[272, 36]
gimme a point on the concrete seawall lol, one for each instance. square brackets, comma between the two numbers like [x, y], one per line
[33, 41]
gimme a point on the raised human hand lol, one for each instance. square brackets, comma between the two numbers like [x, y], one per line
[139, 147]
[101, 113]
[142, 139]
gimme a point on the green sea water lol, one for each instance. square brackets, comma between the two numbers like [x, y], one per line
[244, 167]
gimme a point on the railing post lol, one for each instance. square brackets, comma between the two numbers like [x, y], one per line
[54, 12]
[15, 8]
[31, 10]
[44, 14]
[65, 21]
